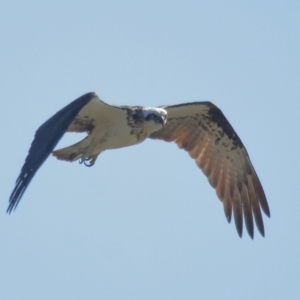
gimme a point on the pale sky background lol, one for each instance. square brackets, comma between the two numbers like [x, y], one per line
[144, 223]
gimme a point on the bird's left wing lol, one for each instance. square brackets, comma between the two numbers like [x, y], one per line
[76, 116]
[202, 130]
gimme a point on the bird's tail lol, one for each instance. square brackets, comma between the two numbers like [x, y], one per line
[75, 152]
[70, 153]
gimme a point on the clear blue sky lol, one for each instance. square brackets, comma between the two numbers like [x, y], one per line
[144, 223]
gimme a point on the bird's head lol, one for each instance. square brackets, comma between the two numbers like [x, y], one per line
[148, 119]
[155, 115]
[154, 119]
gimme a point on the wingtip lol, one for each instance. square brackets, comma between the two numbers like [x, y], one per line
[262, 233]
[251, 234]
[11, 207]
[267, 212]
[261, 230]
[239, 231]
[13, 203]
[250, 230]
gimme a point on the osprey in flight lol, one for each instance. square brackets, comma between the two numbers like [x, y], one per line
[200, 128]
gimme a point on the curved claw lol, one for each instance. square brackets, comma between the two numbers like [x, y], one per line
[88, 161]
[88, 164]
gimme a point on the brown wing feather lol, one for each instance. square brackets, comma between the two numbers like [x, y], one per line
[203, 131]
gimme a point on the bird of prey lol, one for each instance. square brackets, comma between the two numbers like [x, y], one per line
[200, 128]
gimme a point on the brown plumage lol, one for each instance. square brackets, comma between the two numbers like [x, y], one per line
[200, 128]
[203, 131]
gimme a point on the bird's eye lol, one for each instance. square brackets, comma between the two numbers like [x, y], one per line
[151, 116]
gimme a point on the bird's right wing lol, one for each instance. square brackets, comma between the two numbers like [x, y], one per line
[78, 116]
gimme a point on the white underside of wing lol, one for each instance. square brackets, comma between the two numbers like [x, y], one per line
[187, 109]
[107, 127]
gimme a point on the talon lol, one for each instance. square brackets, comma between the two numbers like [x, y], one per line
[88, 164]
[83, 158]
[91, 160]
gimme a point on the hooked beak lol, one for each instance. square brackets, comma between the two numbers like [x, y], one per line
[163, 120]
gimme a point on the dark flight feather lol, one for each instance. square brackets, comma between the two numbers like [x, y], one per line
[203, 131]
[45, 140]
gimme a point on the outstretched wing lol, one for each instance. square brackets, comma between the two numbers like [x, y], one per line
[203, 131]
[78, 116]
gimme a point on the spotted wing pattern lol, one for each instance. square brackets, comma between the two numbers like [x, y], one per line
[203, 131]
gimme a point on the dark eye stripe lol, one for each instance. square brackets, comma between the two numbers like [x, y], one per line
[151, 116]
[135, 116]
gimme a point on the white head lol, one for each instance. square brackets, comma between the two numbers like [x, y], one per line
[156, 115]
[147, 119]
[154, 119]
